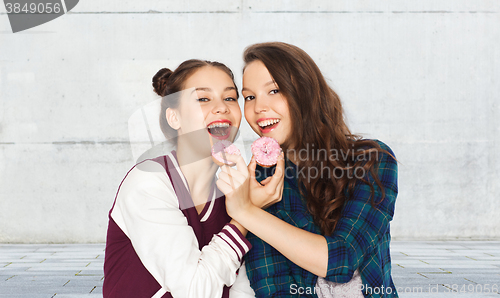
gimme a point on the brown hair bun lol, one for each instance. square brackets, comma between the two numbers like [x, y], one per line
[160, 80]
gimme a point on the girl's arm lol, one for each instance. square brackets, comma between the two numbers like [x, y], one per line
[147, 211]
[241, 287]
[306, 249]
[358, 232]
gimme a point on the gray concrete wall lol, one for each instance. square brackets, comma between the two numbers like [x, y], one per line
[423, 76]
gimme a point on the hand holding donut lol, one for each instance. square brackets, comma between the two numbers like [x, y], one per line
[270, 190]
[266, 152]
[234, 184]
[243, 190]
[219, 151]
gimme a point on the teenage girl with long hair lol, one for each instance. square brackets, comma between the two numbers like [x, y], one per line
[329, 231]
[169, 234]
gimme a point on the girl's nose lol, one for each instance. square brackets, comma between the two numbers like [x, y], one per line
[220, 108]
[261, 105]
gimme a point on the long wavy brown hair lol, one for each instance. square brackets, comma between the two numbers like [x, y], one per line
[319, 127]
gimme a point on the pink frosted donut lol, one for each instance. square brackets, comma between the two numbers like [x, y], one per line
[266, 151]
[227, 147]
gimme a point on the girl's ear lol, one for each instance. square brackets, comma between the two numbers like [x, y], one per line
[173, 118]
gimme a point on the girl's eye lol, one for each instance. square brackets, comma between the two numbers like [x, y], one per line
[230, 99]
[203, 99]
[274, 91]
[250, 97]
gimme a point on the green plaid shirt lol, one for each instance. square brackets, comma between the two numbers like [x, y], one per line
[360, 241]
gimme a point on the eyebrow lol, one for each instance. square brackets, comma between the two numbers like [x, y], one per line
[270, 82]
[266, 84]
[210, 89]
[201, 89]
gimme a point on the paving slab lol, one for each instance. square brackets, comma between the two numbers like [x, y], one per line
[435, 269]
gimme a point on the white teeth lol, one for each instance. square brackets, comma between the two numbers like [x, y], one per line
[268, 122]
[219, 124]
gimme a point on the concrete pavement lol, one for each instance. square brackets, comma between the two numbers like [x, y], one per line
[420, 269]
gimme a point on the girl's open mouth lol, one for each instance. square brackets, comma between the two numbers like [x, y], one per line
[267, 125]
[220, 129]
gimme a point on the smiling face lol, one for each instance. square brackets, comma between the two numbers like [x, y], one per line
[266, 109]
[208, 107]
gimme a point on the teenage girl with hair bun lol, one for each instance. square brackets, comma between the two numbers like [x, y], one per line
[169, 234]
[328, 235]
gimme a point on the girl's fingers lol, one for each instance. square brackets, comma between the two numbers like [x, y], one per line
[278, 174]
[265, 181]
[234, 174]
[239, 161]
[229, 170]
[232, 178]
[251, 168]
[224, 177]
[223, 186]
